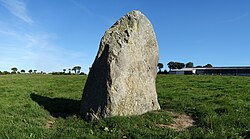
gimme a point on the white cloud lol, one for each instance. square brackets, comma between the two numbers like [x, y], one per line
[38, 51]
[82, 7]
[238, 18]
[18, 9]
[78, 4]
[33, 48]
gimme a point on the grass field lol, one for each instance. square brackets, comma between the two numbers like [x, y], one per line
[46, 106]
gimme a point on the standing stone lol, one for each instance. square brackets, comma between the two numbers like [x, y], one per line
[121, 81]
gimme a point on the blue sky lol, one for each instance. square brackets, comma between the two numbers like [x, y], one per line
[50, 35]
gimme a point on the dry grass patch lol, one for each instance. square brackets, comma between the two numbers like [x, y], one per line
[50, 122]
[181, 122]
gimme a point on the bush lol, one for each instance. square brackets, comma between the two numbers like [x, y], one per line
[163, 72]
[58, 73]
[82, 73]
[6, 72]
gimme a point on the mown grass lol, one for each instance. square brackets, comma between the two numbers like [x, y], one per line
[220, 106]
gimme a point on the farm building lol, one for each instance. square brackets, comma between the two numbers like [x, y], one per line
[183, 71]
[241, 71]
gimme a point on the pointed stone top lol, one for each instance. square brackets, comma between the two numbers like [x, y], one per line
[136, 12]
[131, 19]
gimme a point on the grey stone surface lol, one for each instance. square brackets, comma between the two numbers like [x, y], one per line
[121, 81]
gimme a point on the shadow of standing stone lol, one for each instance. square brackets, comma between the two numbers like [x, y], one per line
[58, 107]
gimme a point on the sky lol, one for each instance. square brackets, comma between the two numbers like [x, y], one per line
[52, 35]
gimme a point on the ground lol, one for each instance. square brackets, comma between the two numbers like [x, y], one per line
[47, 106]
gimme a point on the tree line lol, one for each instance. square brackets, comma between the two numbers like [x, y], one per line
[179, 65]
[71, 71]
[75, 70]
[14, 70]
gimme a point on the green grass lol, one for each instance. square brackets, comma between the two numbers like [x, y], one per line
[220, 106]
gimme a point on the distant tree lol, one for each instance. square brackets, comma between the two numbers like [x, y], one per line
[35, 71]
[64, 70]
[14, 70]
[180, 65]
[208, 66]
[1, 73]
[190, 65]
[175, 65]
[22, 71]
[78, 68]
[74, 69]
[171, 65]
[160, 66]
[69, 70]
[30, 71]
